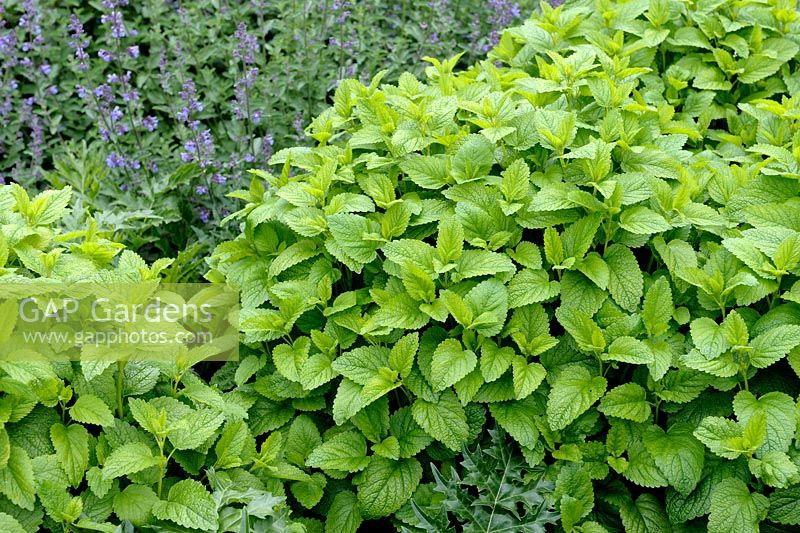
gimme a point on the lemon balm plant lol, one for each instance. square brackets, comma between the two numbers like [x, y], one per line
[99, 445]
[589, 240]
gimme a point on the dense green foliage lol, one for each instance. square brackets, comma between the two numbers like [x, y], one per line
[557, 290]
[589, 240]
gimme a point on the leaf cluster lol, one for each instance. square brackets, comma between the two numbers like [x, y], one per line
[588, 240]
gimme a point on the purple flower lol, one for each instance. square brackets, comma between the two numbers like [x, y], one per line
[246, 46]
[219, 179]
[188, 96]
[77, 43]
[266, 147]
[52, 90]
[103, 92]
[150, 123]
[201, 190]
[199, 149]
[114, 19]
[204, 215]
[297, 124]
[130, 96]
[114, 160]
[133, 51]
[46, 69]
[503, 13]
[116, 114]
[105, 55]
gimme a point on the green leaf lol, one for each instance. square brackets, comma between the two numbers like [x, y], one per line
[556, 128]
[347, 402]
[189, 505]
[728, 439]
[488, 302]
[383, 382]
[411, 438]
[72, 450]
[234, 446]
[627, 401]
[642, 221]
[526, 377]
[625, 281]
[473, 159]
[90, 409]
[708, 337]
[531, 286]
[309, 492]
[129, 459]
[629, 350]
[195, 428]
[57, 502]
[16, 479]
[495, 360]
[386, 485]
[9, 524]
[401, 358]
[388, 447]
[360, 364]
[450, 363]
[574, 494]
[777, 409]
[135, 504]
[302, 439]
[348, 232]
[317, 371]
[343, 452]
[474, 263]
[517, 418]
[657, 309]
[678, 455]
[450, 240]
[733, 508]
[344, 516]
[289, 360]
[444, 420]
[682, 386]
[593, 267]
[645, 515]
[776, 469]
[784, 506]
[574, 391]
[294, 254]
[418, 284]
[770, 347]
[588, 335]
